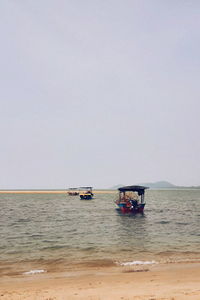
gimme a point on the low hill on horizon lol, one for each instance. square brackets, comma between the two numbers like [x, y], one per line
[158, 185]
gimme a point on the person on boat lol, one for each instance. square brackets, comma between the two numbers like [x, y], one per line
[134, 202]
[123, 198]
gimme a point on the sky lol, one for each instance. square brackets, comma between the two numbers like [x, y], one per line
[99, 92]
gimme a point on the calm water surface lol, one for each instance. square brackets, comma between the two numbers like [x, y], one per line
[57, 226]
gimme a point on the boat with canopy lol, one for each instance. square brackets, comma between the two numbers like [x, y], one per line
[86, 193]
[73, 192]
[131, 199]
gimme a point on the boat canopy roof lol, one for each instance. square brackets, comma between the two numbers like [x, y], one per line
[133, 188]
[86, 187]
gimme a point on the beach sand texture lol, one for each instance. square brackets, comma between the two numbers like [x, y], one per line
[179, 281]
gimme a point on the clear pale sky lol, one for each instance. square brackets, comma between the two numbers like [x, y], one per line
[99, 92]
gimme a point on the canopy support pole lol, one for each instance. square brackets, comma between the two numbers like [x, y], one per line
[142, 198]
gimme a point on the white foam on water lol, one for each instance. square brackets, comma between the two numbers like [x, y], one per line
[138, 262]
[34, 272]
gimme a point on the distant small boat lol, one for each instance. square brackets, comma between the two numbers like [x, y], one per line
[73, 192]
[86, 193]
[131, 199]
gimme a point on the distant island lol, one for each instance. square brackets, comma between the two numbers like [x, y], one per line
[159, 185]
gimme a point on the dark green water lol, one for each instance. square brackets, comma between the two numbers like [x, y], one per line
[57, 226]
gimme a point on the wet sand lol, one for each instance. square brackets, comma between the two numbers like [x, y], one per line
[172, 281]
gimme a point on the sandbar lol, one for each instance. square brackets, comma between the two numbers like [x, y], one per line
[51, 192]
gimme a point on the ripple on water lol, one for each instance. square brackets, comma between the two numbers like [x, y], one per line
[44, 225]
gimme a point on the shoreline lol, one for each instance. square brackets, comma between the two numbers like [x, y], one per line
[61, 262]
[177, 281]
[16, 266]
[52, 192]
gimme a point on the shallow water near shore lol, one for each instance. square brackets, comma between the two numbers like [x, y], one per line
[59, 229]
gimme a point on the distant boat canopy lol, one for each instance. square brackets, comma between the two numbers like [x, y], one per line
[85, 188]
[73, 192]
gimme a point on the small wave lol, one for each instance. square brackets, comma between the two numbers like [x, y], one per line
[48, 241]
[23, 220]
[36, 235]
[163, 222]
[89, 248]
[54, 247]
[97, 263]
[138, 262]
[168, 253]
[13, 252]
[126, 249]
[34, 272]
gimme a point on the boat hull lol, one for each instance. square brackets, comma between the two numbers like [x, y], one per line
[131, 209]
[86, 196]
[73, 193]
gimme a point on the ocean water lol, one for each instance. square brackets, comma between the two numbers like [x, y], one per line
[58, 227]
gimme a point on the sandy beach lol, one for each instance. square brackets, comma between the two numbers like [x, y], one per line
[172, 281]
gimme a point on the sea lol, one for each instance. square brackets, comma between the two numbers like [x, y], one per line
[41, 231]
